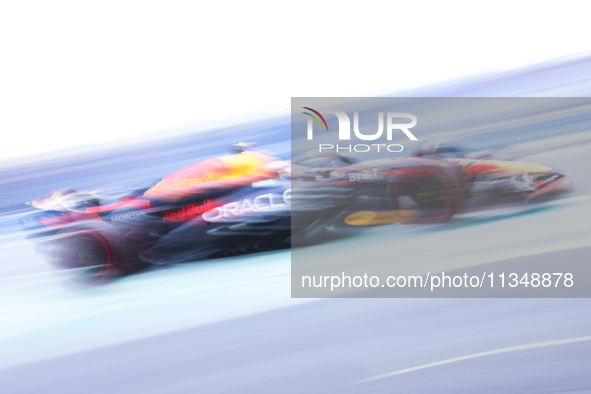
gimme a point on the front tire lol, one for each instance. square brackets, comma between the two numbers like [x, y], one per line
[433, 196]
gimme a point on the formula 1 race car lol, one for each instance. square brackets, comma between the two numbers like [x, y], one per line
[430, 187]
[251, 202]
[224, 206]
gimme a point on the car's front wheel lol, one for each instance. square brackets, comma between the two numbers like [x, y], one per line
[431, 195]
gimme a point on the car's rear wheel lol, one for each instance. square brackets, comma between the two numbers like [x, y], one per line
[86, 256]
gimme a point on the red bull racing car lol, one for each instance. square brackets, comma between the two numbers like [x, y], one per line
[250, 202]
[335, 195]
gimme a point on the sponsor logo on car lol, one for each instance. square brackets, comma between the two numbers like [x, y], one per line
[359, 218]
[128, 216]
[373, 218]
[364, 175]
[187, 212]
[262, 203]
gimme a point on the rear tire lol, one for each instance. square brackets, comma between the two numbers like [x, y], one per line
[90, 254]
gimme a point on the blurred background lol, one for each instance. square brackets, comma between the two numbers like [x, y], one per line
[117, 95]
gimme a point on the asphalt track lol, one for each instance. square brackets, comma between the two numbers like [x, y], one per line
[329, 345]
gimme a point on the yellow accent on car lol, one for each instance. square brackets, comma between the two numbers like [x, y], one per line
[373, 218]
